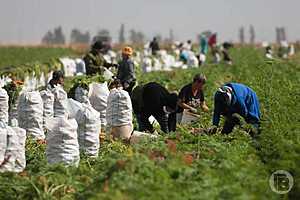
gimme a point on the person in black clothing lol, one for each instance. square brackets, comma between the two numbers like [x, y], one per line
[126, 70]
[225, 51]
[153, 99]
[154, 46]
[57, 78]
[191, 96]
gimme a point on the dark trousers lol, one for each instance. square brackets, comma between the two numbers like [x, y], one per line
[232, 120]
[167, 122]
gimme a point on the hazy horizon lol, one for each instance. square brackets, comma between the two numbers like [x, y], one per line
[27, 21]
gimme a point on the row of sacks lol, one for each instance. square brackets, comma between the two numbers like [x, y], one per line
[166, 62]
[80, 130]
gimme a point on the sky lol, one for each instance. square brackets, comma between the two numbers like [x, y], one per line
[26, 21]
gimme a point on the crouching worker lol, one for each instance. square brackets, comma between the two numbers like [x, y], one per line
[154, 100]
[191, 97]
[235, 101]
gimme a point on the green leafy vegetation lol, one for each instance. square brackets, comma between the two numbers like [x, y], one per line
[184, 164]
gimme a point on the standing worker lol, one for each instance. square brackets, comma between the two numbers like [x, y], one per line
[153, 99]
[191, 96]
[126, 72]
[94, 60]
[233, 100]
[154, 46]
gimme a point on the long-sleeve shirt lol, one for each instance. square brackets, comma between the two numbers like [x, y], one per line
[244, 102]
[126, 72]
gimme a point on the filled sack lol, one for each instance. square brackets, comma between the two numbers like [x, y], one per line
[98, 94]
[62, 141]
[30, 114]
[89, 127]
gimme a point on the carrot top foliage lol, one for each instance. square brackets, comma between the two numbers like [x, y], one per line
[183, 165]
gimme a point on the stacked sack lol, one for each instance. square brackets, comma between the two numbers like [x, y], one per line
[61, 139]
[89, 124]
[12, 148]
[98, 94]
[30, 114]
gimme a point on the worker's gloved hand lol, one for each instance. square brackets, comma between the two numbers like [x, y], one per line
[194, 110]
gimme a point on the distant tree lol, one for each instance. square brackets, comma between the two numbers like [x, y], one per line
[48, 38]
[102, 35]
[242, 35]
[78, 37]
[136, 37]
[55, 37]
[122, 34]
[252, 34]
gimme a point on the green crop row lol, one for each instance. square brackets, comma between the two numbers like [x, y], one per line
[181, 165]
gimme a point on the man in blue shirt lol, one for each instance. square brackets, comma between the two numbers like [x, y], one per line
[233, 100]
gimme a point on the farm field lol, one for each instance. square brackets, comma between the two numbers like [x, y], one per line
[180, 165]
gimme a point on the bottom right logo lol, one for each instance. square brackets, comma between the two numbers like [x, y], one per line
[281, 182]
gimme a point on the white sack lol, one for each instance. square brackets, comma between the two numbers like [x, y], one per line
[30, 114]
[62, 141]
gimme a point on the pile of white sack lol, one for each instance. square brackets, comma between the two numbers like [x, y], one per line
[12, 148]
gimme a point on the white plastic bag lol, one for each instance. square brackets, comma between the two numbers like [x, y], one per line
[48, 100]
[60, 102]
[14, 158]
[89, 127]
[138, 136]
[98, 94]
[30, 114]
[62, 141]
[3, 105]
[119, 108]
[189, 117]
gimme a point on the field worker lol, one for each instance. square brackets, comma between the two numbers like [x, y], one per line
[233, 100]
[153, 99]
[154, 46]
[212, 41]
[188, 45]
[191, 97]
[94, 60]
[269, 52]
[203, 44]
[226, 57]
[126, 72]
[57, 79]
